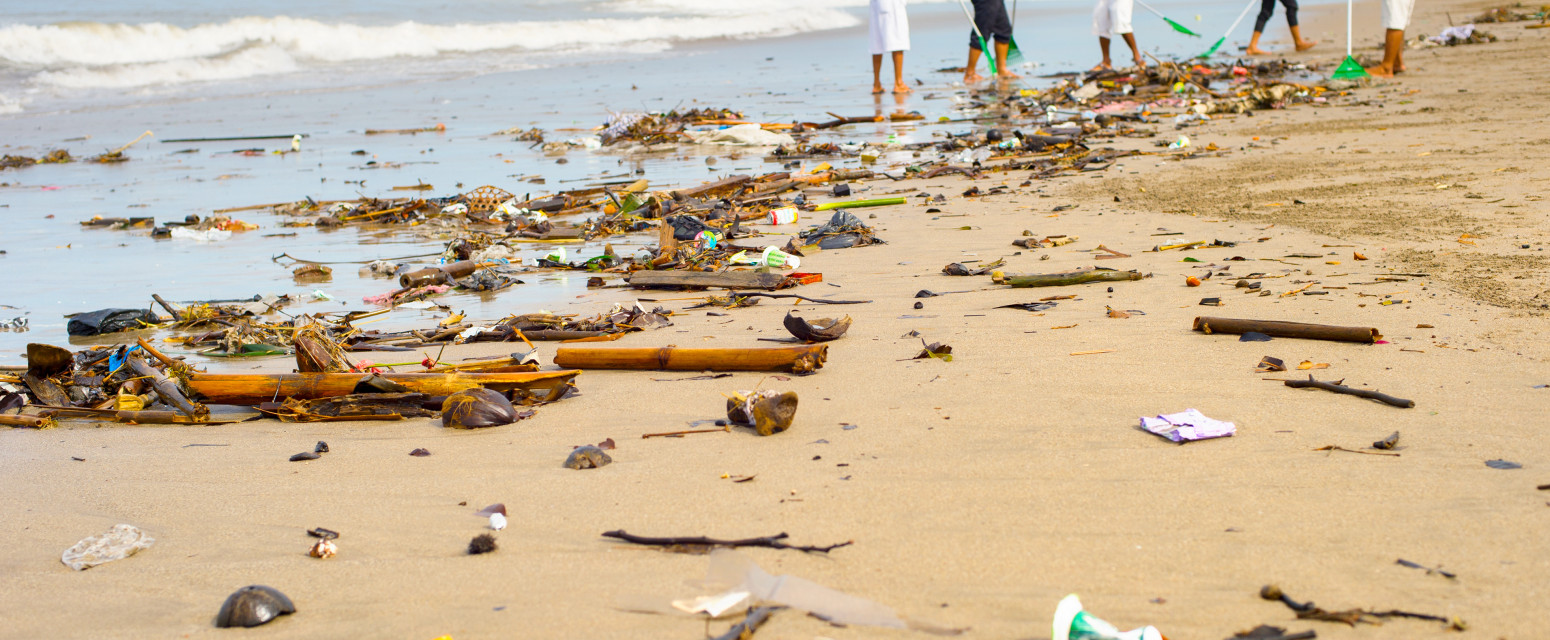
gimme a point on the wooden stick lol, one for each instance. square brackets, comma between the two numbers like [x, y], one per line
[1360, 393]
[1088, 353]
[167, 389]
[1336, 447]
[1287, 329]
[796, 359]
[675, 434]
[769, 542]
[744, 630]
[165, 305]
[157, 354]
[131, 144]
[1069, 278]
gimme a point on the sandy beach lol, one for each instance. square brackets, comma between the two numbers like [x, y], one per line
[978, 492]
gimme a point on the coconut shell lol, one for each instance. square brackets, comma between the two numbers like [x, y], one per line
[252, 606]
[477, 409]
[820, 330]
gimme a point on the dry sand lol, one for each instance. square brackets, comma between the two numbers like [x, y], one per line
[978, 491]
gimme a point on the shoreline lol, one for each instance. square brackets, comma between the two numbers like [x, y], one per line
[978, 491]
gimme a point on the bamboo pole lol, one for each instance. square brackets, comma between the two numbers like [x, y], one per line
[251, 389]
[797, 359]
[1287, 329]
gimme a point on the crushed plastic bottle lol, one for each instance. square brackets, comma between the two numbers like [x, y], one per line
[1182, 142]
[117, 543]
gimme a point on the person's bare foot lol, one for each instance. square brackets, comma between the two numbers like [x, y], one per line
[1306, 45]
[1007, 75]
[1256, 51]
[1399, 68]
[970, 77]
[1140, 65]
[1102, 66]
[900, 87]
[877, 88]
[1380, 71]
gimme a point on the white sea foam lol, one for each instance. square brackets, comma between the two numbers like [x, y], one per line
[88, 54]
[9, 104]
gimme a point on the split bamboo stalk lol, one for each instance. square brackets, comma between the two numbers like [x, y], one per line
[251, 389]
[797, 359]
[167, 389]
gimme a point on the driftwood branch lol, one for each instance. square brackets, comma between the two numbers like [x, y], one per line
[167, 389]
[1336, 387]
[768, 542]
[798, 297]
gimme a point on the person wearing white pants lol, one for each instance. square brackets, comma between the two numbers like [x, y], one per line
[889, 31]
[1111, 18]
[1396, 17]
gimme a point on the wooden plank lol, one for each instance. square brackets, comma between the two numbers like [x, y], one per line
[702, 279]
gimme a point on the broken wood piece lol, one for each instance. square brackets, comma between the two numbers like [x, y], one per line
[1360, 393]
[1094, 351]
[796, 359]
[355, 406]
[1280, 329]
[766, 280]
[1067, 278]
[702, 543]
[252, 389]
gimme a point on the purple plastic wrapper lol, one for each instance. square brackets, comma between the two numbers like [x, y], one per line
[1187, 425]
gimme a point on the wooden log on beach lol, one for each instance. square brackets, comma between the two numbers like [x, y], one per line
[1069, 278]
[703, 279]
[252, 389]
[1280, 329]
[796, 359]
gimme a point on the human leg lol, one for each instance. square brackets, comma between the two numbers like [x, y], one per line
[1130, 39]
[970, 73]
[1291, 23]
[877, 73]
[1103, 28]
[1396, 16]
[898, 73]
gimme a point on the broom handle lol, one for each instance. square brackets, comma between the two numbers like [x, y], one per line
[1149, 8]
[1244, 14]
[1348, 27]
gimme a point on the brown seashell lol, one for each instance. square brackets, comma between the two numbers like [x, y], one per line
[253, 605]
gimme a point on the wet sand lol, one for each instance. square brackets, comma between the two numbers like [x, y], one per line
[978, 491]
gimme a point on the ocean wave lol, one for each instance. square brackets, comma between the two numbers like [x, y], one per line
[9, 104]
[89, 54]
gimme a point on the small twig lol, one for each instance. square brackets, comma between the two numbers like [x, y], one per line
[793, 295]
[768, 542]
[1360, 393]
[750, 624]
[1406, 563]
[675, 434]
[1334, 447]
